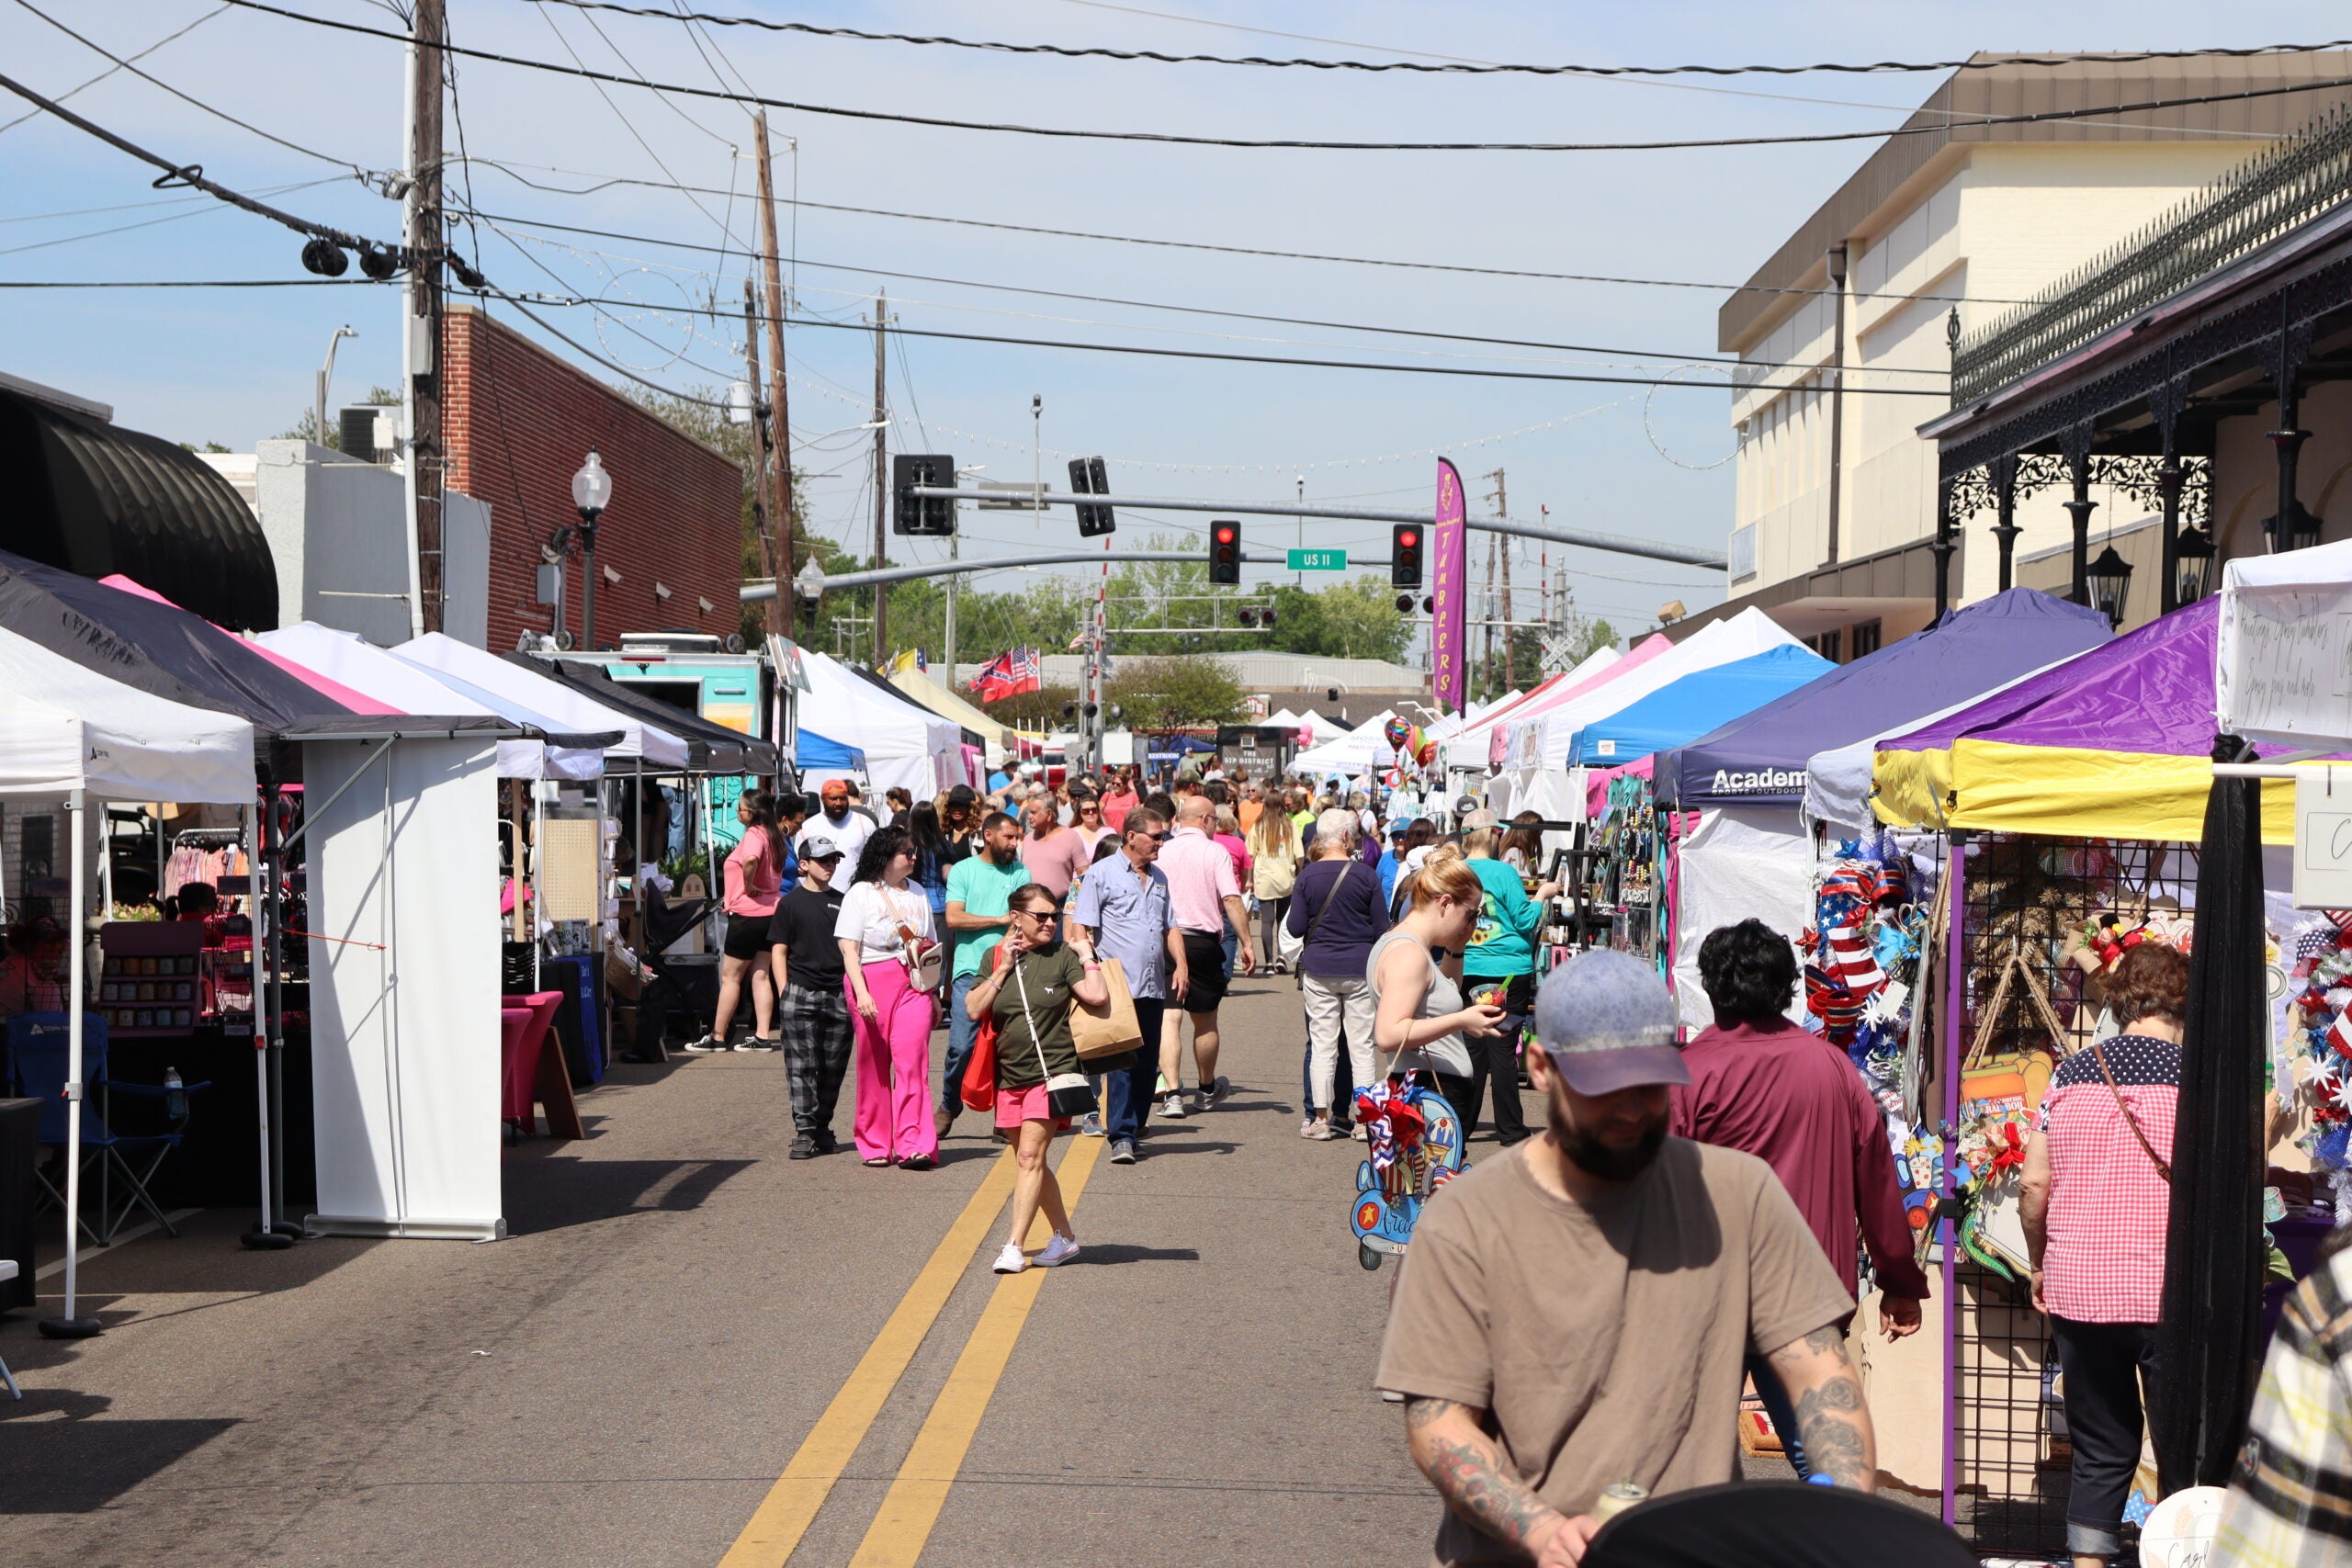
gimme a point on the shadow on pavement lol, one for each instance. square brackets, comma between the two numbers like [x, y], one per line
[1120, 1252]
[559, 1192]
[56, 1459]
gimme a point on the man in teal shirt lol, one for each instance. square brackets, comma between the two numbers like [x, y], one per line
[979, 896]
[1498, 966]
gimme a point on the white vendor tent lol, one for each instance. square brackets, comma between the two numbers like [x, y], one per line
[657, 748]
[906, 745]
[352, 661]
[66, 730]
[1351, 755]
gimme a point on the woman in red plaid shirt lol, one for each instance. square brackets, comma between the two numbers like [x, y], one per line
[2096, 1195]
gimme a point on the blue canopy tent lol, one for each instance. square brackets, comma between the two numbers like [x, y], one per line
[1758, 758]
[1696, 704]
[816, 753]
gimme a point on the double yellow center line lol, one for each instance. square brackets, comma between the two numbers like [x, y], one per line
[897, 1537]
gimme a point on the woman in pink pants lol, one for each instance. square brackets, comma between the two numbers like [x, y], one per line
[884, 927]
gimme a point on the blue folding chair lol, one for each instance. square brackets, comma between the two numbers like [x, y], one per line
[37, 1064]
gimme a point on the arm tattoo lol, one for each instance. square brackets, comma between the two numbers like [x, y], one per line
[1420, 1413]
[1832, 1437]
[1829, 1337]
[1470, 1477]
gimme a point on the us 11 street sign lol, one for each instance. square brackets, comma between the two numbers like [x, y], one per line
[1318, 560]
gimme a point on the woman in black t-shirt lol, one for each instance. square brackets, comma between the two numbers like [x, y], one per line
[1029, 992]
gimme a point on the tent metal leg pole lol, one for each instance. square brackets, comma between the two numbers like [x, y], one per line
[71, 1325]
[276, 1052]
[264, 1236]
[538, 868]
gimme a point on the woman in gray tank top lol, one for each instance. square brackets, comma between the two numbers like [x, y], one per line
[1419, 1020]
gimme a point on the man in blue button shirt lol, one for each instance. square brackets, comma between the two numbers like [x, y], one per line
[1123, 904]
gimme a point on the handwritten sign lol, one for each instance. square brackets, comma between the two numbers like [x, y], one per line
[2323, 838]
[2283, 663]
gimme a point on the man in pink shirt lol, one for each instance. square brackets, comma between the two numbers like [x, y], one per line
[1057, 856]
[1203, 895]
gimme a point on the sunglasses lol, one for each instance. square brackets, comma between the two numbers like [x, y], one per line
[1155, 838]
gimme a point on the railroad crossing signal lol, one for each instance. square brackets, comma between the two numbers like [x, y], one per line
[932, 515]
[1087, 477]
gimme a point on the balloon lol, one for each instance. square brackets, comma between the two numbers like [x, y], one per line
[1398, 731]
[1426, 754]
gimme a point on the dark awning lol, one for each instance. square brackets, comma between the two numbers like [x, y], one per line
[92, 498]
[710, 748]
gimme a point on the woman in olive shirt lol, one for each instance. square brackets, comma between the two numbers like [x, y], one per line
[1029, 992]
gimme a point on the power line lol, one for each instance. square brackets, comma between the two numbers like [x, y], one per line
[530, 223]
[1294, 144]
[1436, 67]
[202, 283]
[508, 169]
[1284, 360]
[192, 176]
[122, 64]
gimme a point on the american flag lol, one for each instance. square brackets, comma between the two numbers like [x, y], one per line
[1028, 669]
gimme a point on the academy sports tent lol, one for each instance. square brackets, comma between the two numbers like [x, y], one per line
[1760, 758]
[1702, 700]
[659, 748]
[403, 687]
[66, 730]
[2114, 743]
[906, 745]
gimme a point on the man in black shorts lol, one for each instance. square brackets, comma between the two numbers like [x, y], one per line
[811, 1009]
[1203, 894]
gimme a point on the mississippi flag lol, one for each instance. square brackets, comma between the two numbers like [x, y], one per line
[1010, 674]
[995, 679]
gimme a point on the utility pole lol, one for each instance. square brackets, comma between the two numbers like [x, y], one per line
[780, 472]
[779, 566]
[1510, 669]
[881, 491]
[1487, 618]
[421, 324]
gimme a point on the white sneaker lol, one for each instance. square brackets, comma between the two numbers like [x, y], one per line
[1360, 1133]
[1059, 1251]
[1172, 1107]
[1318, 1130]
[706, 1046]
[1013, 1261]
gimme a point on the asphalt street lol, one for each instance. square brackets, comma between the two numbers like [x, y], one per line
[692, 1351]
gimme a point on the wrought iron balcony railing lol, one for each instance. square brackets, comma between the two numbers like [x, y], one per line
[2286, 186]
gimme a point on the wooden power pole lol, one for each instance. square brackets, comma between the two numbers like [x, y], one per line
[420, 351]
[881, 493]
[1510, 664]
[780, 469]
[761, 456]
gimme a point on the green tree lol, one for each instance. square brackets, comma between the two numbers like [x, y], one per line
[1170, 692]
[1356, 618]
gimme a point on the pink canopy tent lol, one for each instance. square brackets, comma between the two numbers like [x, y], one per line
[357, 702]
[1499, 726]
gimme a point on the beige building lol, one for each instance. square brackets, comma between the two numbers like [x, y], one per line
[1845, 332]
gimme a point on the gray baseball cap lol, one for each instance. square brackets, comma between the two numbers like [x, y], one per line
[816, 846]
[1607, 1021]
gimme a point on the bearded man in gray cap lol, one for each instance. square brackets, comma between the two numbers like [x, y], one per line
[1578, 1311]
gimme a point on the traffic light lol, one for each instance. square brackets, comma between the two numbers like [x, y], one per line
[1225, 552]
[924, 514]
[1405, 555]
[1087, 477]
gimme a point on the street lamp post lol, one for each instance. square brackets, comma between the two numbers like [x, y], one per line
[591, 490]
[326, 374]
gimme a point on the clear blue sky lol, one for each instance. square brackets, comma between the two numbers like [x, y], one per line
[236, 366]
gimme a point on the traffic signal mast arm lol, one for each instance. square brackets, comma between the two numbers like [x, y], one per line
[1685, 555]
[753, 592]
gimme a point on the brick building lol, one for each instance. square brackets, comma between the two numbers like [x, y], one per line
[519, 421]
